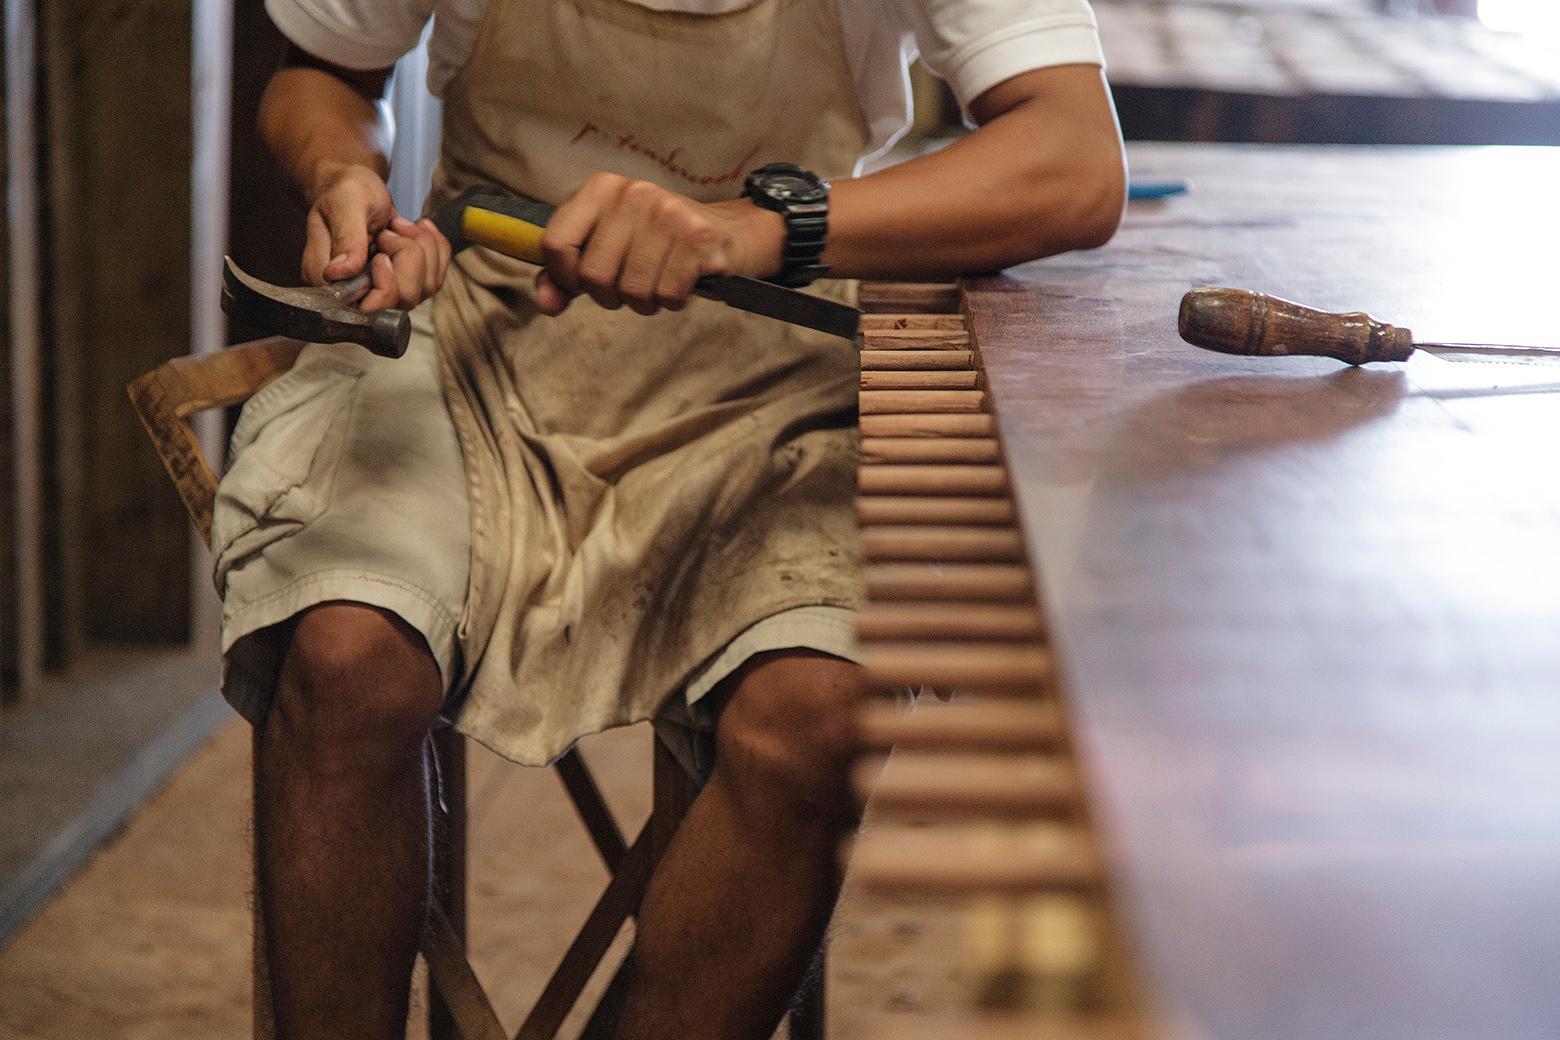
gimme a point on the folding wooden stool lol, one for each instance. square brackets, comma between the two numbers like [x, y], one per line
[164, 399]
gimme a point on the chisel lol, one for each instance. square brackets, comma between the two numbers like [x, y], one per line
[1252, 324]
[513, 225]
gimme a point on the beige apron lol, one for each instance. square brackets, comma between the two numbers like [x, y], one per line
[642, 489]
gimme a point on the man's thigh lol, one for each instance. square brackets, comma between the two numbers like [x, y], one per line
[345, 484]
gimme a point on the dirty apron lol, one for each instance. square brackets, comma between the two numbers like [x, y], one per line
[642, 490]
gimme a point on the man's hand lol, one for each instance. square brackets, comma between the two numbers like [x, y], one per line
[351, 207]
[623, 241]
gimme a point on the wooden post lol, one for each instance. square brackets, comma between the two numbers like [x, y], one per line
[449, 857]
[24, 641]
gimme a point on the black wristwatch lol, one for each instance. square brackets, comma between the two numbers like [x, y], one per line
[802, 198]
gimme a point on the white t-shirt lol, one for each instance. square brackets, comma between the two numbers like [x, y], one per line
[973, 44]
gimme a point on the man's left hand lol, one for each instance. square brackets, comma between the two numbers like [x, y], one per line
[623, 241]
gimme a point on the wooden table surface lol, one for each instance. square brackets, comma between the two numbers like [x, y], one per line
[1308, 616]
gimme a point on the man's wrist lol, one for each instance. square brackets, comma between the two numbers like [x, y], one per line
[327, 173]
[761, 246]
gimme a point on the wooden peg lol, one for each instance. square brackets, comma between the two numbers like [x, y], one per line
[901, 340]
[944, 582]
[902, 360]
[885, 402]
[939, 785]
[932, 480]
[889, 322]
[923, 620]
[964, 726]
[877, 450]
[987, 665]
[953, 544]
[926, 509]
[971, 859]
[924, 425]
[909, 297]
[920, 380]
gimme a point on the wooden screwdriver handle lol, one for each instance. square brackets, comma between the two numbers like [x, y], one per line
[1238, 321]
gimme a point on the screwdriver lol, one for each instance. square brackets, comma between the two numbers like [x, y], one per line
[1253, 324]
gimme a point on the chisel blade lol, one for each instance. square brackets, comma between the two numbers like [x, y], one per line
[1488, 352]
[776, 301]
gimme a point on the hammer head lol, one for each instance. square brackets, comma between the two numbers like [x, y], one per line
[314, 315]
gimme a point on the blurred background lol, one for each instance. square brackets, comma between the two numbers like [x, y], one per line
[131, 166]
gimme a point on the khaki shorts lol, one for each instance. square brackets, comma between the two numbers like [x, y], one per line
[345, 483]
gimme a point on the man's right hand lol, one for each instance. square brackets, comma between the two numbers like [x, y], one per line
[351, 207]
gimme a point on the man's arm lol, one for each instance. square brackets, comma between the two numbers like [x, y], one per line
[1043, 173]
[324, 125]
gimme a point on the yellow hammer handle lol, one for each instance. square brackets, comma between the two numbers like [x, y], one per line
[511, 236]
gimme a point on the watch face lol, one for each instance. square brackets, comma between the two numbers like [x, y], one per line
[791, 188]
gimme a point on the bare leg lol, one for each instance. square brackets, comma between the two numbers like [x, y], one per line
[343, 823]
[739, 903]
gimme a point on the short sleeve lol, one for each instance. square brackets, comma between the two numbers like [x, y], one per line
[355, 34]
[976, 44]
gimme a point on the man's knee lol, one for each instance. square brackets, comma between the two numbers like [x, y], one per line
[790, 725]
[356, 681]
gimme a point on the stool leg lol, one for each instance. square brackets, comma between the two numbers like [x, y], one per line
[449, 855]
[673, 792]
[263, 1013]
[808, 1016]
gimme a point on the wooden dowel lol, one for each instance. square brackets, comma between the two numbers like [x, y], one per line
[953, 861]
[920, 425]
[927, 509]
[932, 620]
[956, 582]
[1011, 1026]
[895, 360]
[882, 322]
[932, 480]
[909, 297]
[934, 786]
[954, 544]
[963, 726]
[987, 665]
[919, 380]
[917, 339]
[875, 450]
[885, 402]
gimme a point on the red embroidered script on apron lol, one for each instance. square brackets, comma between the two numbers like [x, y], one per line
[668, 160]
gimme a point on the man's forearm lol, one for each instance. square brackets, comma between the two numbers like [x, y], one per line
[315, 123]
[1042, 175]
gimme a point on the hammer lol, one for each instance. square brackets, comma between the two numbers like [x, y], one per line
[321, 314]
[509, 224]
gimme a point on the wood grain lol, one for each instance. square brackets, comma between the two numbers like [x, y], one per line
[1308, 612]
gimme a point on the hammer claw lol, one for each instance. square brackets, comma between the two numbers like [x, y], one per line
[314, 314]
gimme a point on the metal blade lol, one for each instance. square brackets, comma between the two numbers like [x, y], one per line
[776, 301]
[1489, 351]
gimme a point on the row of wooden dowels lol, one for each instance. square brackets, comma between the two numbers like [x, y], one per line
[983, 801]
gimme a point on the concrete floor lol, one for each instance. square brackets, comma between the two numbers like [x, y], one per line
[151, 941]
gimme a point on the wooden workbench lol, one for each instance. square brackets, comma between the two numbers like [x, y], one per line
[1308, 617]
